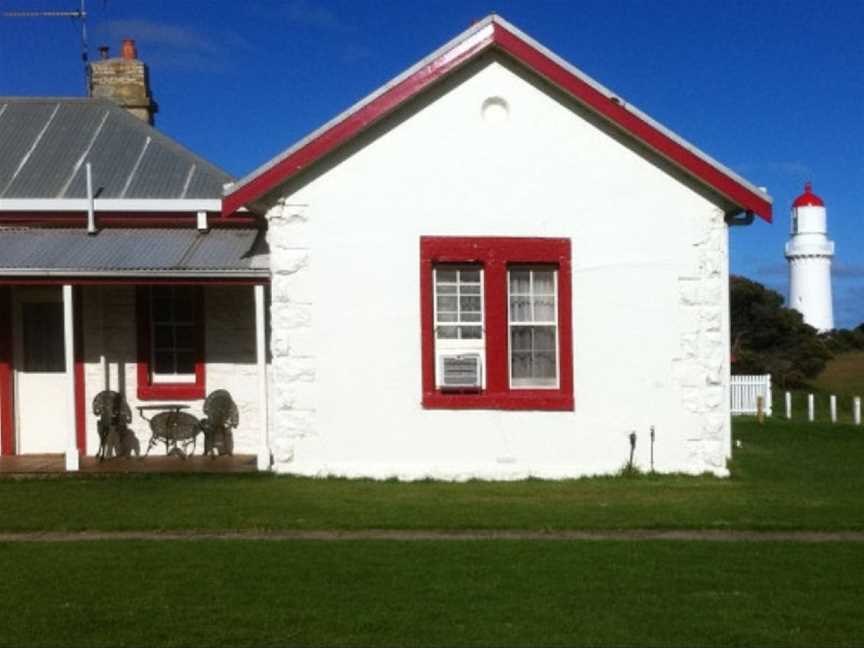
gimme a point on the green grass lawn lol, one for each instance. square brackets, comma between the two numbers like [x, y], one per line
[462, 593]
[785, 476]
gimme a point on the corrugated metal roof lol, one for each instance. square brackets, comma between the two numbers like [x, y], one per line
[133, 251]
[44, 143]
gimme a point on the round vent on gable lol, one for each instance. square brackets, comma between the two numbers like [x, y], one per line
[495, 110]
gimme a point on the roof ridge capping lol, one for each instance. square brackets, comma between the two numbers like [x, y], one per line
[493, 31]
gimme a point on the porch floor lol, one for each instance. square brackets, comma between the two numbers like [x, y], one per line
[55, 463]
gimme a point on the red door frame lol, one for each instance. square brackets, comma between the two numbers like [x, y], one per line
[7, 374]
[7, 391]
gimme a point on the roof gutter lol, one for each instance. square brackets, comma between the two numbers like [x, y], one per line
[110, 205]
[261, 274]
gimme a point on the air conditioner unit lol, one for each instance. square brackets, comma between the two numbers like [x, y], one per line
[461, 371]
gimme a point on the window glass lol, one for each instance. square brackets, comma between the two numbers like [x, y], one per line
[458, 303]
[533, 327]
[42, 340]
[174, 332]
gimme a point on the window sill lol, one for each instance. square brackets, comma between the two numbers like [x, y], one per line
[522, 399]
[171, 391]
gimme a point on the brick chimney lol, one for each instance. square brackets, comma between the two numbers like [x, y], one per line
[124, 81]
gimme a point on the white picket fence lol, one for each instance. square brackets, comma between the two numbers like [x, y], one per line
[746, 389]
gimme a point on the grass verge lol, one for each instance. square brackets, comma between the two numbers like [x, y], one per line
[218, 593]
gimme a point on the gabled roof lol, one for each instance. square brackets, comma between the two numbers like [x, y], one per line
[45, 142]
[495, 33]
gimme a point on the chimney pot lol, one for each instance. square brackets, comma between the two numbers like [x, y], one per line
[129, 52]
[103, 52]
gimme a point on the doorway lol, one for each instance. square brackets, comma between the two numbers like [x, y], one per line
[41, 383]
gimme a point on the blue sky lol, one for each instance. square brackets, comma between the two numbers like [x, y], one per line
[774, 90]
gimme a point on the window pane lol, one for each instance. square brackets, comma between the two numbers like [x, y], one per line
[520, 282]
[544, 309]
[163, 336]
[446, 289]
[544, 338]
[470, 289]
[472, 332]
[163, 362]
[447, 332]
[470, 276]
[186, 362]
[448, 276]
[470, 303]
[520, 309]
[42, 339]
[447, 317]
[520, 365]
[471, 317]
[544, 367]
[447, 303]
[520, 338]
[186, 338]
[544, 282]
[162, 310]
[184, 309]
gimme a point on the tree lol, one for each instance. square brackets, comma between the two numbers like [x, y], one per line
[768, 338]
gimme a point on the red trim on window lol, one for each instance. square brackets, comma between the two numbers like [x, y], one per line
[78, 351]
[147, 389]
[7, 391]
[495, 35]
[495, 254]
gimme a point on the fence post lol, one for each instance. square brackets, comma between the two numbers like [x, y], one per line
[760, 409]
[857, 410]
[788, 405]
[833, 408]
[811, 408]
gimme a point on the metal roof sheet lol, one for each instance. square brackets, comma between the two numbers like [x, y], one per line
[133, 251]
[44, 143]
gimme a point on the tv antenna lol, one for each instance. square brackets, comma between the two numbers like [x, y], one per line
[79, 14]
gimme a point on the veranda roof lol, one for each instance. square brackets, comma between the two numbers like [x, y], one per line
[134, 252]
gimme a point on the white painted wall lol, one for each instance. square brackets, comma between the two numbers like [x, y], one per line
[650, 295]
[110, 329]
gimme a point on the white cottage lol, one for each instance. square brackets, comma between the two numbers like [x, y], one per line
[493, 267]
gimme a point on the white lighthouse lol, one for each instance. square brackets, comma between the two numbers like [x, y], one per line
[809, 253]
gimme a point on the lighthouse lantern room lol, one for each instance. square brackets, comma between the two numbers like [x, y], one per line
[809, 252]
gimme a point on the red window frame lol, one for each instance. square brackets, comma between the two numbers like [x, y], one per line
[496, 255]
[147, 389]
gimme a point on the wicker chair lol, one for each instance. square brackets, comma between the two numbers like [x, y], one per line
[222, 416]
[115, 437]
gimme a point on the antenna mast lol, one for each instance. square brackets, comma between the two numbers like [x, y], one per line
[79, 14]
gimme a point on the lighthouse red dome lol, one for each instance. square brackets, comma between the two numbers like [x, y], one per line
[808, 198]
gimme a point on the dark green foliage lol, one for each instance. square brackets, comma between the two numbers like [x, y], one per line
[768, 338]
[844, 340]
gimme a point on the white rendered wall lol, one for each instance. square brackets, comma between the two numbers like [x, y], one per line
[110, 329]
[650, 296]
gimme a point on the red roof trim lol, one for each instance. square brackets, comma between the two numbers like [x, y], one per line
[359, 120]
[497, 35]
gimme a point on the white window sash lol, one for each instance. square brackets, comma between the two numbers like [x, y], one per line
[533, 324]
